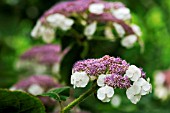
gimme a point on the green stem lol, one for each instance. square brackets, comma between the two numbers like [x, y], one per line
[79, 99]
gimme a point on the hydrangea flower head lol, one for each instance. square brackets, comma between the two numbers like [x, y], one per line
[36, 85]
[64, 15]
[111, 73]
[40, 58]
[162, 84]
[46, 54]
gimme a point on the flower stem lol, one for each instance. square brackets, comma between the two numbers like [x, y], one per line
[79, 99]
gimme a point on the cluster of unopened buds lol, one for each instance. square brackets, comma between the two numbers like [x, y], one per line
[111, 73]
[162, 84]
[88, 13]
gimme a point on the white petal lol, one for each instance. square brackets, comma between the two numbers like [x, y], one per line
[100, 80]
[36, 30]
[116, 101]
[13, 89]
[135, 71]
[90, 29]
[161, 92]
[122, 13]
[129, 41]
[84, 80]
[136, 29]
[135, 99]
[55, 17]
[56, 68]
[120, 30]
[159, 78]
[67, 23]
[105, 93]
[55, 20]
[135, 77]
[133, 90]
[129, 93]
[100, 94]
[140, 82]
[96, 8]
[39, 69]
[35, 89]
[48, 35]
[129, 73]
[143, 92]
[146, 87]
[109, 34]
[109, 91]
[132, 67]
[79, 79]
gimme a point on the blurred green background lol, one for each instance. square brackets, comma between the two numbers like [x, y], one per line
[17, 18]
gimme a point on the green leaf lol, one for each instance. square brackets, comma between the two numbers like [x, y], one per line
[19, 102]
[59, 94]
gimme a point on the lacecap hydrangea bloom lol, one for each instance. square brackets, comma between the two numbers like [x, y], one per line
[37, 85]
[111, 73]
[162, 84]
[88, 13]
[39, 58]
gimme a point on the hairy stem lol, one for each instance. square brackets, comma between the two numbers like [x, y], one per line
[79, 99]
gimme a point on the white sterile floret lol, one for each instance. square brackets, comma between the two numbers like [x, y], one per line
[96, 8]
[133, 93]
[35, 89]
[146, 87]
[67, 23]
[133, 72]
[116, 101]
[129, 41]
[90, 29]
[122, 13]
[108, 33]
[119, 29]
[55, 19]
[48, 34]
[16, 89]
[56, 68]
[159, 79]
[100, 80]
[105, 93]
[36, 30]
[136, 29]
[59, 20]
[12, 88]
[79, 79]
[38, 68]
[161, 92]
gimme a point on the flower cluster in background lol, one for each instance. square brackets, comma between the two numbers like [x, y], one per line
[36, 85]
[39, 58]
[39, 84]
[111, 73]
[162, 84]
[91, 15]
